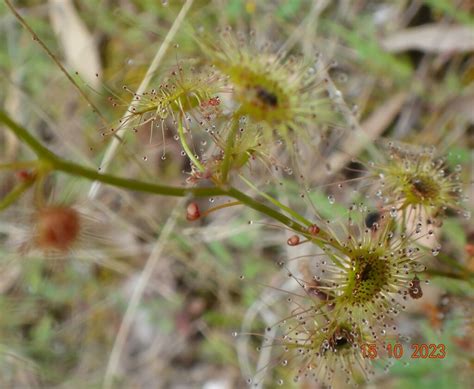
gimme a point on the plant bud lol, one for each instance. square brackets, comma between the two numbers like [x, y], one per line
[192, 212]
[293, 240]
[313, 229]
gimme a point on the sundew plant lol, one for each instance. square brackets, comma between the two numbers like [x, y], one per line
[236, 193]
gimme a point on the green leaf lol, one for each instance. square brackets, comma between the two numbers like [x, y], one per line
[448, 8]
[42, 331]
[454, 232]
[288, 8]
[364, 41]
[221, 252]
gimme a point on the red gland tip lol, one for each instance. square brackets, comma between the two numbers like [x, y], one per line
[192, 212]
[293, 240]
[25, 175]
[313, 229]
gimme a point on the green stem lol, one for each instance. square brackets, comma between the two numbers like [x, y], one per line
[229, 146]
[186, 148]
[468, 276]
[18, 165]
[318, 240]
[41, 151]
[16, 192]
[56, 163]
[274, 214]
[277, 203]
[450, 261]
[131, 184]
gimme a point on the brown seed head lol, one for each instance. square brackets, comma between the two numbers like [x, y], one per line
[57, 228]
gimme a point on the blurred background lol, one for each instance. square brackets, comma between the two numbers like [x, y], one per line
[406, 68]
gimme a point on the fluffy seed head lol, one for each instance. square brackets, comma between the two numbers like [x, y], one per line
[57, 228]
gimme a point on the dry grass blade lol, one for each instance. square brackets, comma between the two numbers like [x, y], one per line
[76, 41]
[137, 296]
[373, 127]
[434, 38]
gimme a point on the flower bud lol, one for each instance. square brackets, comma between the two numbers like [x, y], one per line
[192, 212]
[313, 229]
[293, 240]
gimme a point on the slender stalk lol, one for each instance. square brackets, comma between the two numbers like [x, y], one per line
[449, 261]
[18, 165]
[131, 184]
[277, 203]
[187, 149]
[53, 162]
[262, 208]
[54, 58]
[41, 151]
[230, 141]
[218, 207]
[117, 140]
[13, 195]
[468, 276]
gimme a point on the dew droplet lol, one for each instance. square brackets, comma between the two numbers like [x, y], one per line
[393, 212]
[337, 94]
[331, 199]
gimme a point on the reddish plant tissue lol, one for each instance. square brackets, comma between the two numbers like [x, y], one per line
[192, 212]
[313, 229]
[25, 175]
[293, 240]
[57, 228]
